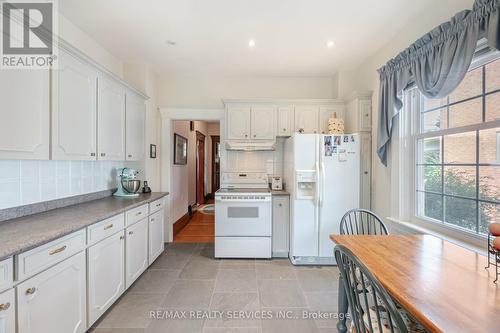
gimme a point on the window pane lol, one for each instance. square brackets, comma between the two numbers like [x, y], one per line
[430, 104]
[429, 151]
[434, 120]
[489, 183]
[493, 107]
[460, 148]
[471, 86]
[493, 76]
[466, 113]
[490, 213]
[431, 205]
[460, 181]
[429, 178]
[489, 146]
[461, 212]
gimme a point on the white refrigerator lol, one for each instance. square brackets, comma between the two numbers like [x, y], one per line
[322, 174]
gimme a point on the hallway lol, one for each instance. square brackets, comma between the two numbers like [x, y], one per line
[201, 227]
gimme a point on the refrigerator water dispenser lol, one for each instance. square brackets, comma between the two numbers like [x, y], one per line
[306, 184]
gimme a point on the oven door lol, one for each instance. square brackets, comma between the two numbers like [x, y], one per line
[240, 217]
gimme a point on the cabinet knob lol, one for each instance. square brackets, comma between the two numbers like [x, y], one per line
[281, 205]
[130, 232]
[92, 154]
[122, 238]
[4, 306]
[366, 114]
[366, 172]
[139, 213]
[246, 135]
[103, 154]
[129, 155]
[255, 135]
[30, 291]
[284, 129]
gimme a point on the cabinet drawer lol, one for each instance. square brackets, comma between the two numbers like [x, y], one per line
[8, 311]
[34, 261]
[156, 205]
[105, 228]
[136, 214]
[6, 274]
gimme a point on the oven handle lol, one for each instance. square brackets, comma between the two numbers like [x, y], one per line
[242, 200]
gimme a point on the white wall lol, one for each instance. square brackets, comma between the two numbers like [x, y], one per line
[366, 78]
[207, 92]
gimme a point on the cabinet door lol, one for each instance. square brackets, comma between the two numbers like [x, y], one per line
[24, 125]
[74, 110]
[307, 119]
[111, 120]
[238, 123]
[365, 115]
[285, 121]
[281, 222]
[156, 243]
[262, 123]
[135, 124]
[327, 112]
[8, 312]
[54, 301]
[106, 274]
[365, 167]
[136, 252]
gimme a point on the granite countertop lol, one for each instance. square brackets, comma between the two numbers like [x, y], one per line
[24, 233]
[282, 192]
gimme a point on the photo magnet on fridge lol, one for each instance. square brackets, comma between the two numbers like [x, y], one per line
[337, 140]
[328, 146]
[346, 139]
[352, 138]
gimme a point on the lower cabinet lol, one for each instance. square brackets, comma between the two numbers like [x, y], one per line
[136, 251]
[8, 311]
[55, 300]
[281, 226]
[156, 245]
[106, 274]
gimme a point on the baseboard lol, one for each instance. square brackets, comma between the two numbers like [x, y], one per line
[181, 223]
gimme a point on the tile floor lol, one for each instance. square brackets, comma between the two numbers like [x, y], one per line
[187, 279]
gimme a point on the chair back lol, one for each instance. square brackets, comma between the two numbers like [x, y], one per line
[372, 309]
[362, 222]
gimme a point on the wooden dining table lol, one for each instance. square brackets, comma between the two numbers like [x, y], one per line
[442, 285]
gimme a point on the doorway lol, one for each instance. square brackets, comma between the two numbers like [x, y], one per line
[215, 164]
[200, 168]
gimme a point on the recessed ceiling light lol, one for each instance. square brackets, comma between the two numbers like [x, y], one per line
[330, 44]
[251, 43]
[171, 42]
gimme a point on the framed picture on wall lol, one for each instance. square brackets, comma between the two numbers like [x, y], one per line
[180, 149]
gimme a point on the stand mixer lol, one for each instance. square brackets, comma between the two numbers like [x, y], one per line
[128, 185]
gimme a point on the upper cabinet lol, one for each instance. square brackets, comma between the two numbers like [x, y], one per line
[238, 123]
[111, 120]
[135, 127]
[74, 110]
[24, 129]
[262, 123]
[359, 113]
[307, 119]
[285, 121]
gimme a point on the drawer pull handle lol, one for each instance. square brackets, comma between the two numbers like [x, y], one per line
[158, 205]
[152, 220]
[121, 237]
[109, 226]
[56, 251]
[4, 306]
[130, 232]
[139, 213]
[30, 291]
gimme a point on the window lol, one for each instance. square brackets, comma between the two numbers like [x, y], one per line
[458, 151]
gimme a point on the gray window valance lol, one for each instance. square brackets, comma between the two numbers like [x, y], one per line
[436, 63]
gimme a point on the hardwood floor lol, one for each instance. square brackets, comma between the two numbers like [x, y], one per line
[200, 229]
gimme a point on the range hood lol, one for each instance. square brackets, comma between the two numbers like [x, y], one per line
[251, 145]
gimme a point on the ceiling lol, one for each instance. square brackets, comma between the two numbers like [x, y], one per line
[212, 36]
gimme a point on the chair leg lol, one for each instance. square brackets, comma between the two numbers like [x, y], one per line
[343, 307]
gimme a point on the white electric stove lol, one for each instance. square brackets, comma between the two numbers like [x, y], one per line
[243, 216]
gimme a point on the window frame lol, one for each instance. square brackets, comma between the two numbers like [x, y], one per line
[413, 107]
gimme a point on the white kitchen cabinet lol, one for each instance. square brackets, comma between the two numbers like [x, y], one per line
[327, 112]
[24, 125]
[285, 121]
[156, 236]
[359, 113]
[262, 123]
[55, 300]
[365, 168]
[106, 274]
[307, 119]
[110, 120]
[365, 115]
[281, 226]
[135, 127]
[8, 312]
[136, 252]
[6, 274]
[238, 123]
[74, 91]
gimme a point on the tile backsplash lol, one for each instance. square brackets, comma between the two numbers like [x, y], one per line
[25, 182]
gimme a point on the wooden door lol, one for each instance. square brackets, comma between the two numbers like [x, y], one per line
[215, 163]
[200, 168]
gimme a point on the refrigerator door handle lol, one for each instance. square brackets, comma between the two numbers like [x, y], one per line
[317, 194]
[322, 184]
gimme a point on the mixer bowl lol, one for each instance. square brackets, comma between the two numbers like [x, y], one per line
[132, 185]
